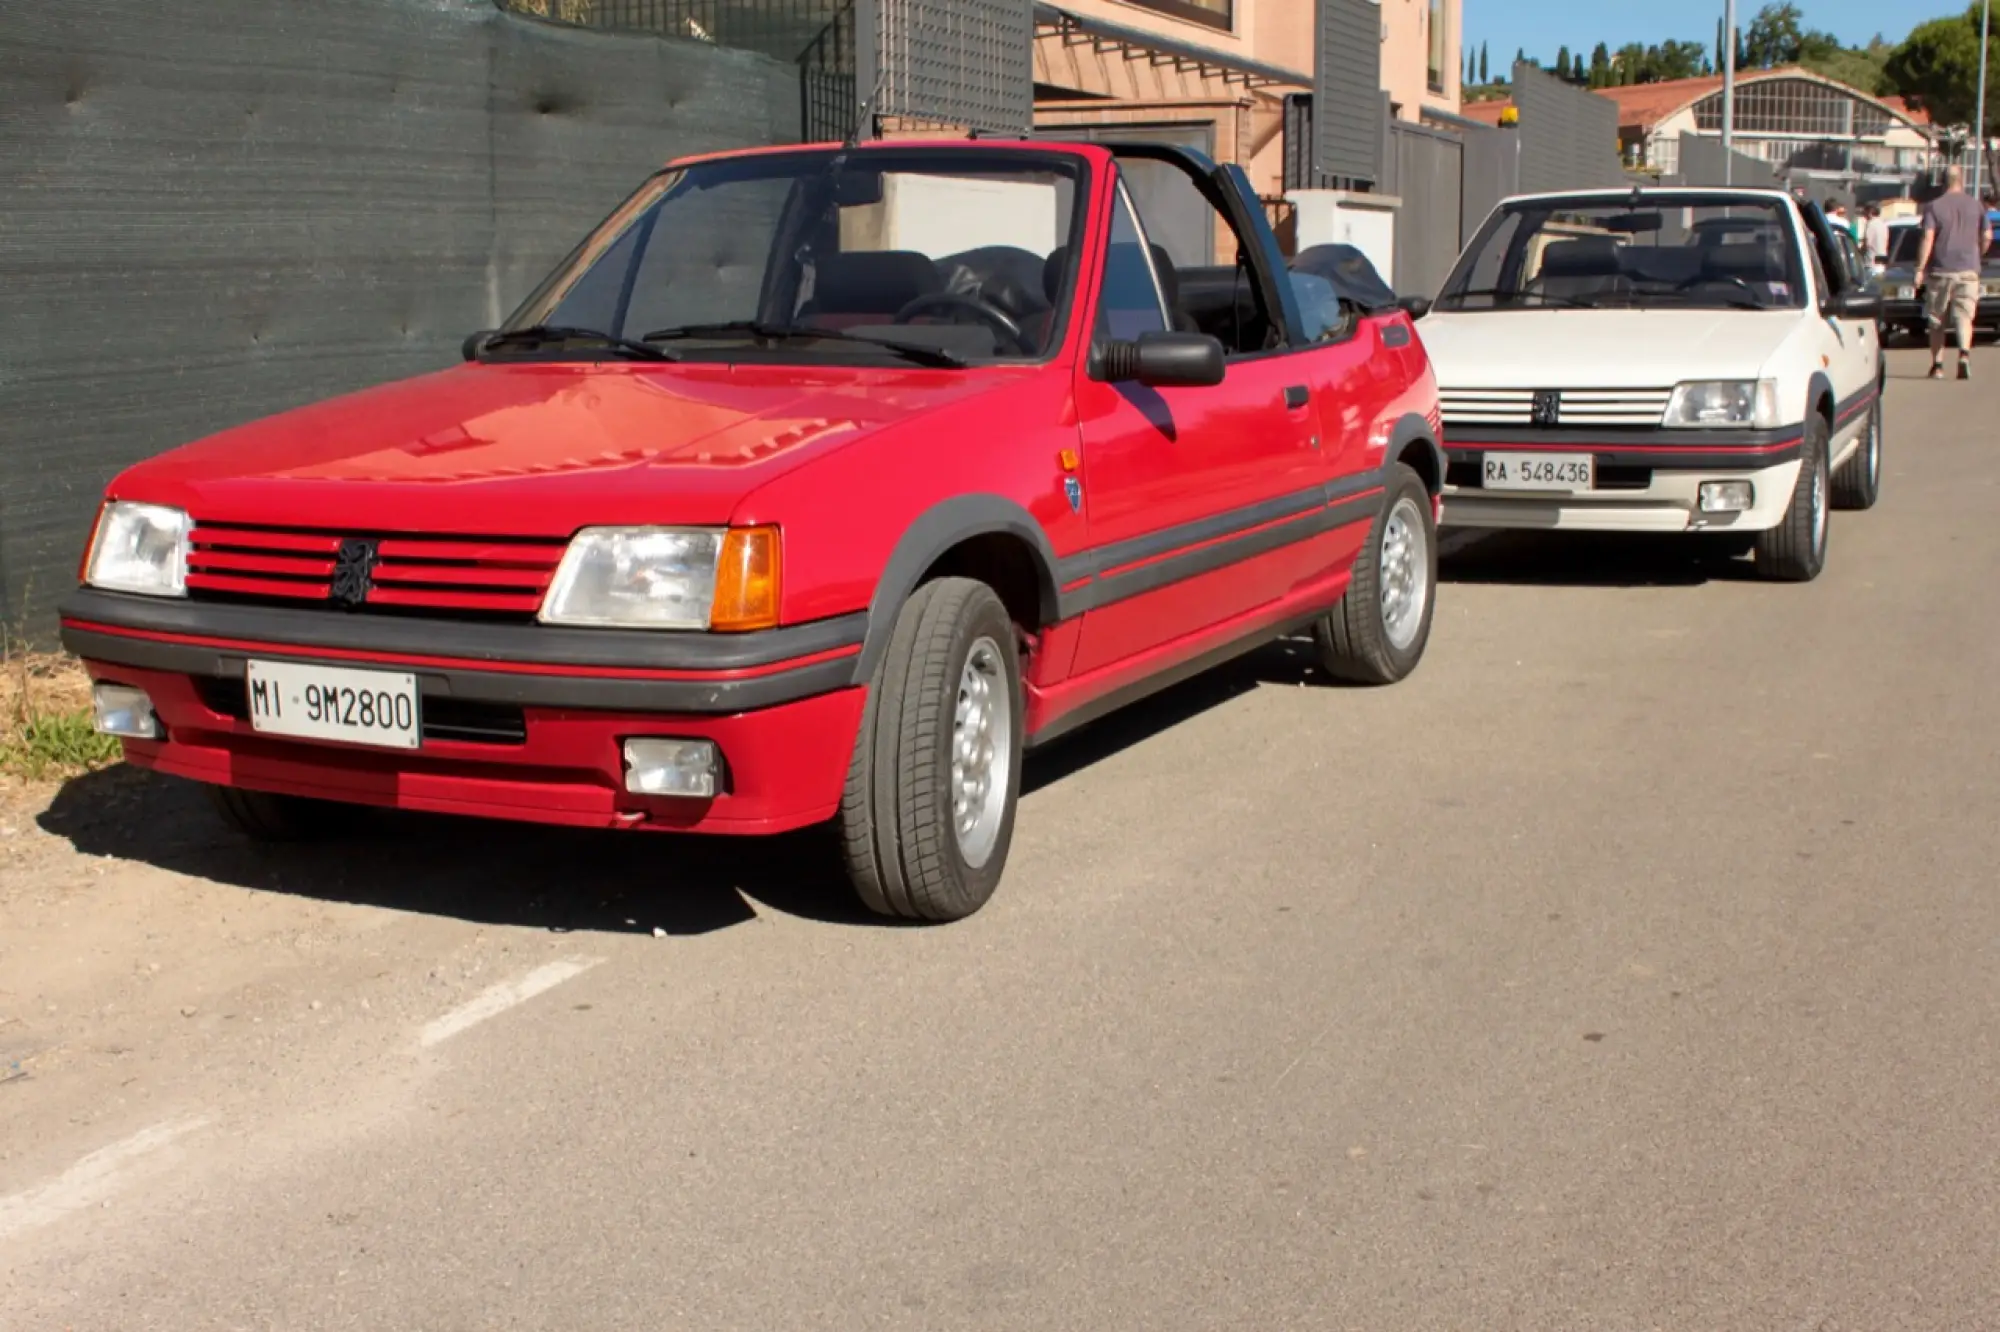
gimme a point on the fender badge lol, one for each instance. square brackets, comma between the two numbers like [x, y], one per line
[1073, 492]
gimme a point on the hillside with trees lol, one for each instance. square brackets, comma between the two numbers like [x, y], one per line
[1936, 66]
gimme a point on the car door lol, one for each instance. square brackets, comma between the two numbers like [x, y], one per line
[1855, 353]
[1186, 490]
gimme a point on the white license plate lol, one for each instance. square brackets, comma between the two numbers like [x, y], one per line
[379, 708]
[1539, 471]
[1991, 289]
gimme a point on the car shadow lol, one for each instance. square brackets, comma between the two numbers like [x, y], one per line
[571, 880]
[1587, 559]
[1289, 661]
[487, 872]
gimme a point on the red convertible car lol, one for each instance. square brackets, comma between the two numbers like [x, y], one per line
[815, 487]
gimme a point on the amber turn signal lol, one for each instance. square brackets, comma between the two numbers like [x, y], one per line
[747, 581]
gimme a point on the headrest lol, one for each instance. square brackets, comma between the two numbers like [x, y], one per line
[873, 281]
[1170, 278]
[1054, 269]
[1588, 256]
[1744, 261]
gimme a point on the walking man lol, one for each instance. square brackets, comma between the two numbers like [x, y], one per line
[1875, 236]
[1956, 234]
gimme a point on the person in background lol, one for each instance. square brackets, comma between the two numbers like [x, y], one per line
[1836, 213]
[1875, 236]
[1956, 234]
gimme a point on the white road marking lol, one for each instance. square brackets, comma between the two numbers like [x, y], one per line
[88, 1181]
[493, 1002]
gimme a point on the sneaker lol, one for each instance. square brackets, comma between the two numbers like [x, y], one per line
[1964, 368]
[1937, 371]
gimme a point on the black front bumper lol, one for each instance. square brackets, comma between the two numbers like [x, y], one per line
[1625, 458]
[530, 665]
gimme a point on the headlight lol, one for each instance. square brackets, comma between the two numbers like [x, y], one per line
[1721, 404]
[140, 548]
[667, 578]
[1906, 293]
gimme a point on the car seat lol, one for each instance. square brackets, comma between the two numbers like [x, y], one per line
[860, 287]
[1587, 266]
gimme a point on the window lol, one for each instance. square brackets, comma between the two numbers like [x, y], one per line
[1688, 250]
[966, 251]
[1210, 13]
[1130, 303]
[1439, 25]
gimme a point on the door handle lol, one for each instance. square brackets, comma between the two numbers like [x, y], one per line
[1297, 396]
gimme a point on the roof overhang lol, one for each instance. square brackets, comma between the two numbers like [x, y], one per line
[1136, 44]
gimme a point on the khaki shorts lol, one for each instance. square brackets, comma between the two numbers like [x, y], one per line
[1950, 301]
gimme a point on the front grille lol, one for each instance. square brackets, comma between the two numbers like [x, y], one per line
[472, 576]
[458, 719]
[1577, 407]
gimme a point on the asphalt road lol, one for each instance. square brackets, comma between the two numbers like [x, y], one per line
[1632, 967]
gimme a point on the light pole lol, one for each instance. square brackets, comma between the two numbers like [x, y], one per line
[1729, 91]
[1979, 116]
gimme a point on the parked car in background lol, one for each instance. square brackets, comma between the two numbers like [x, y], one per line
[1903, 290]
[814, 488]
[1673, 360]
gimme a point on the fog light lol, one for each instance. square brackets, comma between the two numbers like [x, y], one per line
[688, 768]
[123, 711]
[1727, 496]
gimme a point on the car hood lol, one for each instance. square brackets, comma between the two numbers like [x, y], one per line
[541, 449]
[1600, 348]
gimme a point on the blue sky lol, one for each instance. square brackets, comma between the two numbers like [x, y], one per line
[1542, 26]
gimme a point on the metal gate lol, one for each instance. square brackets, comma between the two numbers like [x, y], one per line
[968, 64]
[1568, 136]
[1425, 169]
[1347, 105]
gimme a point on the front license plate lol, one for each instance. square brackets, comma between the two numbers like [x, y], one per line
[379, 708]
[1539, 471]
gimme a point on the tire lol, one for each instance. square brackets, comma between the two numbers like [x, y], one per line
[264, 817]
[1364, 641]
[1795, 550]
[1858, 483]
[909, 853]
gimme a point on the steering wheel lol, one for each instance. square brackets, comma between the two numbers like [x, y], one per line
[983, 310]
[1711, 280]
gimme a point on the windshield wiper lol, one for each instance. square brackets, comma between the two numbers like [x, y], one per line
[638, 351]
[763, 332]
[1735, 300]
[1495, 294]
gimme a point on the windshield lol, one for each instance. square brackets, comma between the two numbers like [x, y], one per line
[1622, 253]
[819, 256]
[1909, 241]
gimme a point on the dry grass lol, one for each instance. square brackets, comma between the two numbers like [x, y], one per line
[45, 732]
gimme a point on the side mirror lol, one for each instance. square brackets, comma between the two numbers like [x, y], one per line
[1164, 360]
[474, 344]
[1855, 305]
[1416, 307]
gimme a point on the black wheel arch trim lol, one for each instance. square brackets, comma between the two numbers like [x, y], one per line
[924, 542]
[1819, 387]
[1413, 428]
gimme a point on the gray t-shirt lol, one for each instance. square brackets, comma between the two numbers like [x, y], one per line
[1957, 219]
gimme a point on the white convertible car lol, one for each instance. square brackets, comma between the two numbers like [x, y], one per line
[1665, 360]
